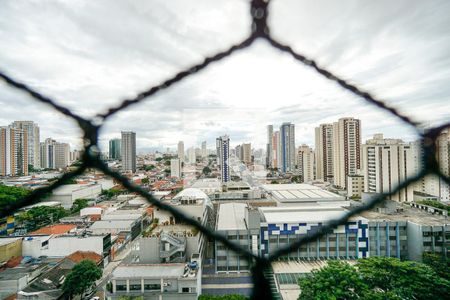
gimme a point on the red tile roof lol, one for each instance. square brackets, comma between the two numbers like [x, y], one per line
[82, 255]
[55, 229]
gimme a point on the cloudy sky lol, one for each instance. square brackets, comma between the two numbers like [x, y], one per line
[90, 55]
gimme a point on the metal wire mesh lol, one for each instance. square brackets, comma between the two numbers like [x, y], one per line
[260, 30]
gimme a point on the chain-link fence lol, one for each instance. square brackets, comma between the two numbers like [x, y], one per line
[260, 30]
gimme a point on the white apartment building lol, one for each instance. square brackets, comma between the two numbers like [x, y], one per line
[387, 163]
[128, 151]
[324, 152]
[180, 150]
[54, 155]
[175, 167]
[346, 149]
[305, 162]
[33, 138]
[204, 152]
[355, 185]
[191, 155]
[13, 151]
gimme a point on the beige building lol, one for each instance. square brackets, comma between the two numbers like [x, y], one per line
[13, 151]
[10, 248]
[324, 152]
[180, 150]
[54, 155]
[355, 186]
[346, 149]
[387, 163]
[247, 153]
[33, 138]
[305, 162]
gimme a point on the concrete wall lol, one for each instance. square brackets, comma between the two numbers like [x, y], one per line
[11, 249]
[415, 241]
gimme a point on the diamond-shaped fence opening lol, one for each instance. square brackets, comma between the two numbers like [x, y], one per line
[260, 30]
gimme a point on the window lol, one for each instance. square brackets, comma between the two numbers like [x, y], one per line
[185, 290]
[135, 287]
[152, 287]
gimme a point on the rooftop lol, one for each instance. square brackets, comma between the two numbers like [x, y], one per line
[302, 214]
[6, 241]
[294, 266]
[300, 192]
[407, 213]
[149, 271]
[231, 216]
[54, 229]
[82, 255]
[112, 224]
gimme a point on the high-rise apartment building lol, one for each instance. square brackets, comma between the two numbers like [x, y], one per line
[269, 147]
[223, 151]
[175, 167]
[33, 137]
[204, 152]
[246, 153]
[346, 150]
[191, 155]
[128, 151]
[305, 162]
[114, 149]
[54, 155]
[324, 152]
[287, 147]
[13, 151]
[276, 160]
[180, 150]
[387, 163]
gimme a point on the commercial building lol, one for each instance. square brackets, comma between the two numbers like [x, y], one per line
[13, 151]
[246, 153]
[302, 194]
[128, 151]
[305, 163]
[387, 163]
[346, 149]
[175, 167]
[33, 137]
[156, 281]
[66, 244]
[287, 147]
[223, 154]
[114, 149]
[68, 193]
[324, 152]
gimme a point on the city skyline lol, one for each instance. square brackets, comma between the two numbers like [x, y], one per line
[279, 89]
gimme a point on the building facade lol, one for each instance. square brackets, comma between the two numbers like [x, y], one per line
[287, 147]
[387, 163]
[269, 147]
[305, 163]
[114, 149]
[223, 154]
[180, 150]
[175, 167]
[346, 149]
[13, 151]
[128, 151]
[33, 137]
[324, 152]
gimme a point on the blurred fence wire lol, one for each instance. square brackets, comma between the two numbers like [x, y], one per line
[259, 10]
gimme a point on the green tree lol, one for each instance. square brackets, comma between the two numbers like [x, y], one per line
[374, 278]
[149, 167]
[81, 278]
[439, 263]
[9, 195]
[435, 203]
[145, 180]
[337, 280]
[40, 216]
[78, 205]
[111, 193]
[206, 171]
